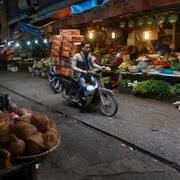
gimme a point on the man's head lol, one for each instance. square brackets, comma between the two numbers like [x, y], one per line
[85, 47]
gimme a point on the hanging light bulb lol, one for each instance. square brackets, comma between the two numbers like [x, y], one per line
[113, 35]
[45, 41]
[146, 35]
[36, 41]
[91, 35]
[28, 43]
[17, 44]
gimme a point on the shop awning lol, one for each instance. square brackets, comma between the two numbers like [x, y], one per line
[86, 5]
[61, 13]
[29, 28]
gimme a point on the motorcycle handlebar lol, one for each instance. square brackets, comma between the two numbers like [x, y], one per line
[94, 71]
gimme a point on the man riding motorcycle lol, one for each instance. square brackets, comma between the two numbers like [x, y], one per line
[81, 63]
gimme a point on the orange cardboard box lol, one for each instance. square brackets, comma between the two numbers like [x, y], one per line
[69, 32]
[65, 63]
[65, 54]
[66, 43]
[56, 60]
[74, 49]
[66, 48]
[64, 71]
[55, 48]
[74, 38]
[57, 37]
[57, 43]
[55, 53]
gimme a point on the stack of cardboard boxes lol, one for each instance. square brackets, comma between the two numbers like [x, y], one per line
[64, 47]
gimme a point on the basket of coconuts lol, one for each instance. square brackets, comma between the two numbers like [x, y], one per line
[27, 135]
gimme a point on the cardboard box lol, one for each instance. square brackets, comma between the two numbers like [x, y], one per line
[55, 48]
[74, 49]
[57, 37]
[56, 60]
[65, 63]
[66, 48]
[65, 54]
[55, 53]
[69, 32]
[74, 38]
[64, 71]
[66, 42]
[57, 43]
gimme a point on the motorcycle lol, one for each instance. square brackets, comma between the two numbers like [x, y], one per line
[97, 94]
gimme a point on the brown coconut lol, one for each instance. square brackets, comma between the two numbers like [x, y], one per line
[21, 112]
[12, 107]
[5, 130]
[50, 139]
[35, 144]
[24, 130]
[25, 118]
[15, 145]
[40, 121]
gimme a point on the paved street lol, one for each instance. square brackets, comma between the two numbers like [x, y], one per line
[86, 153]
[148, 125]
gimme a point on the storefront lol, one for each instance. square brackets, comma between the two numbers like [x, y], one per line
[135, 39]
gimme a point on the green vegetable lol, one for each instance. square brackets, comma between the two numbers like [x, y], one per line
[125, 83]
[152, 88]
[175, 90]
[175, 66]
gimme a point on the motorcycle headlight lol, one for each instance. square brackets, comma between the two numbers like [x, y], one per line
[89, 89]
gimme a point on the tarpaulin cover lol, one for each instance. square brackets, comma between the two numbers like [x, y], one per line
[29, 28]
[86, 5]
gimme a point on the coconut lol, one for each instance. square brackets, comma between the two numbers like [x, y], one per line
[40, 121]
[24, 130]
[22, 112]
[35, 144]
[15, 145]
[12, 107]
[50, 139]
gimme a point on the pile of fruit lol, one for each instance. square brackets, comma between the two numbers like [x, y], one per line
[26, 133]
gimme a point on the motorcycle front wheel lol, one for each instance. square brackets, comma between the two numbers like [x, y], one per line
[108, 105]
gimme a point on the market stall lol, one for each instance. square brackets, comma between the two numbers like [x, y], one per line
[140, 48]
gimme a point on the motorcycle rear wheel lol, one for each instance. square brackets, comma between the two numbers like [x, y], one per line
[55, 84]
[109, 107]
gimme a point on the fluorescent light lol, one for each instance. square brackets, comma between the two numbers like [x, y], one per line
[146, 35]
[113, 35]
[45, 41]
[2, 45]
[9, 43]
[17, 44]
[28, 42]
[91, 35]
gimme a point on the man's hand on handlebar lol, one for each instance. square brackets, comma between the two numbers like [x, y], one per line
[84, 71]
[104, 68]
